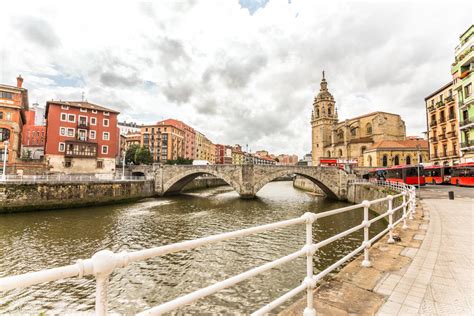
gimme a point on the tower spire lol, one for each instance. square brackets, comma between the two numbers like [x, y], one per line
[323, 75]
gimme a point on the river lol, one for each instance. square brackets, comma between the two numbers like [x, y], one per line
[47, 239]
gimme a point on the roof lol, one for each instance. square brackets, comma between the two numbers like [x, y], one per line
[439, 90]
[6, 86]
[83, 104]
[401, 144]
[369, 114]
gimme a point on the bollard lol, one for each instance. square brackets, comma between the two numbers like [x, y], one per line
[451, 195]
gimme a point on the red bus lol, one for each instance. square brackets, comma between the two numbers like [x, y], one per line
[463, 174]
[438, 174]
[407, 174]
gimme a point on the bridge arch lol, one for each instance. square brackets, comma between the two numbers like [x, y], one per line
[180, 180]
[311, 175]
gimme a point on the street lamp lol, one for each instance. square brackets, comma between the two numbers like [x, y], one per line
[5, 155]
[418, 170]
[123, 165]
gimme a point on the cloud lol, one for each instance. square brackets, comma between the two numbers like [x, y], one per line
[38, 31]
[238, 71]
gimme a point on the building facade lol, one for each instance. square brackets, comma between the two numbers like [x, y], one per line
[348, 139]
[389, 153]
[223, 154]
[204, 148]
[128, 128]
[165, 142]
[443, 126]
[189, 136]
[81, 137]
[463, 78]
[238, 156]
[33, 137]
[287, 160]
[13, 104]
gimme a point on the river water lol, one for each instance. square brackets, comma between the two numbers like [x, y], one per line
[47, 239]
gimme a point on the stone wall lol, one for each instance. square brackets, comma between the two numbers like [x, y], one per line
[306, 185]
[45, 196]
[358, 193]
[203, 183]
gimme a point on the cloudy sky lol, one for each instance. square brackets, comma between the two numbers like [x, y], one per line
[239, 71]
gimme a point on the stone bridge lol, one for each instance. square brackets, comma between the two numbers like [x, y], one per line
[247, 180]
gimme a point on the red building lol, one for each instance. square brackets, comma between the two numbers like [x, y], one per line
[189, 136]
[33, 137]
[223, 154]
[81, 137]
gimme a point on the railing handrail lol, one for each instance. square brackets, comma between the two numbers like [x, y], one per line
[67, 178]
[103, 263]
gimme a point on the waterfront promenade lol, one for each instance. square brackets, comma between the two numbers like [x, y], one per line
[440, 279]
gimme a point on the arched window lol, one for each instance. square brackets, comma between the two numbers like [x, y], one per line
[363, 149]
[340, 135]
[329, 154]
[408, 160]
[370, 161]
[340, 152]
[323, 111]
[396, 160]
[384, 161]
[420, 156]
[368, 128]
[329, 110]
[353, 131]
[317, 112]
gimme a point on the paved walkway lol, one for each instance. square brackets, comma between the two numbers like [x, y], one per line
[440, 279]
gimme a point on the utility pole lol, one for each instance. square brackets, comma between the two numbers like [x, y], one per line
[5, 155]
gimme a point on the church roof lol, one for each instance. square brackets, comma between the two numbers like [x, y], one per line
[401, 144]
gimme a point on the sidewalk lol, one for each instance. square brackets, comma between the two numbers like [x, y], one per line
[440, 279]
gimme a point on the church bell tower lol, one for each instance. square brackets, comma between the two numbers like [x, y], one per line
[323, 118]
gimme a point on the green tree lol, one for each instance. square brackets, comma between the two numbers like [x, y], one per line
[143, 156]
[180, 161]
[130, 154]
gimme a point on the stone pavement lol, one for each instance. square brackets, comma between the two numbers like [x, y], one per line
[440, 279]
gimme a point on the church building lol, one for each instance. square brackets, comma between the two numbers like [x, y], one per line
[349, 140]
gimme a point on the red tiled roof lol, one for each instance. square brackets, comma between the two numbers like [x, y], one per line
[401, 144]
[84, 105]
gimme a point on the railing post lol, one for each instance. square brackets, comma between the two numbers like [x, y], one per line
[366, 262]
[404, 193]
[310, 284]
[103, 264]
[390, 220]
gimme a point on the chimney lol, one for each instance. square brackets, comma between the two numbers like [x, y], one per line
[19, 81]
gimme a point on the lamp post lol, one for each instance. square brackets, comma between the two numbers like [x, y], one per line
[418, 170]
[123, 165]
[5, 155]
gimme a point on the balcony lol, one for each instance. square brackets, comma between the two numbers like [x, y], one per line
[439, 104]
[467, 143]
[434, 156]
[466, 121]
[466, 73]
[431, 108]
[442, 137]
[433, 123]
[452, 153]
[80, 149]
[449, 99]
[433, 139]
[83, 125]
[451, 134]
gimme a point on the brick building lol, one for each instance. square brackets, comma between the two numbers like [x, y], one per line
[81, 137]
[165, 141]
[33, 137]
[13, 104]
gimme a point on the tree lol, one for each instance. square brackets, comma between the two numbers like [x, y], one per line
[143, 156]
[180, 161]
[130, 154]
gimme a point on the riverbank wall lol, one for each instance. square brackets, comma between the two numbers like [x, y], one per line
[203, 183]
[22, 197]
[358, 193]
[304, 184]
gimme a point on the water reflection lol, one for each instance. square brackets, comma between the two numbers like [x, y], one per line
[34, 241]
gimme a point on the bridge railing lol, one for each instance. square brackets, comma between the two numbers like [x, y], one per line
[103, 263]
[67, 178]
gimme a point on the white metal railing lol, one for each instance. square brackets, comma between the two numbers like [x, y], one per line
[103, 263]
[67, 178]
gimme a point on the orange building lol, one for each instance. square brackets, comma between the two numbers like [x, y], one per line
[189, 136]
[165, 141]
[13, 104]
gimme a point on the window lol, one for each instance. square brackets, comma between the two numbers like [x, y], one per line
[9, 116]
[105, 136]
[82, 120]
[62, 147]
[384, 161]
[83, 110]
[100, 164]
[65, 107]
[340, 152]
[70, 132]
[408, 160]
[353, 131]
[92, 134]
[6, 95]
[1, 115]
[105, 149]
[62, 131]
[396, 161]
[67, 164]
[468, 90]
[63, 117]
[94, 111]
[106, 122]
[93, 121]
[106, 113]
[368, 128]
[71, 118]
